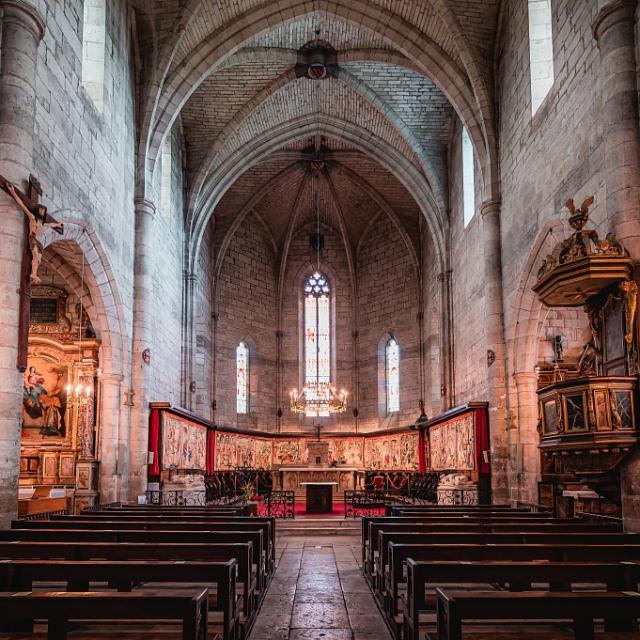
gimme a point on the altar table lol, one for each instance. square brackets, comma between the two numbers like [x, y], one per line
[319, 496]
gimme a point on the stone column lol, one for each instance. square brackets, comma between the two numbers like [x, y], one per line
[22, 29]
[494, 336]
[527, 437]
[143, 362]
[110, 447]
[188, 340]
[447, 378]
[614, 31]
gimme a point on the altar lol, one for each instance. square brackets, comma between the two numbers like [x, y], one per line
[319, 496]
[341, 479]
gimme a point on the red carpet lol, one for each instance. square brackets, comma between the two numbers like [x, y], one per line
[301, 511]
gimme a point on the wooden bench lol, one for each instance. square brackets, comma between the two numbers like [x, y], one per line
[372, 526]
[124, 531]
[385, 537]
[513, 576]
[391, 509]
[161, 523]
[558, 552]
[150, 537]
[456, 607]
[20, 575]
[125, 551]
[188, 606]
[159, 510]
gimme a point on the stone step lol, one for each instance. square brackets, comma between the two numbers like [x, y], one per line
[318, 527]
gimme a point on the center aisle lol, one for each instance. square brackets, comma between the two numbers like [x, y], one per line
[318, 592]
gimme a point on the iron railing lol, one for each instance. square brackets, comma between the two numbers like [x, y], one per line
[281, 505]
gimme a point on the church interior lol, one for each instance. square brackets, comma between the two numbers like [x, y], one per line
[319, 319]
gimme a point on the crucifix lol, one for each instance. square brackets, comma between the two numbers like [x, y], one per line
[317, 428]
[37, 222]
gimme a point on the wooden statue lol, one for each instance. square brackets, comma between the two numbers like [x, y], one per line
[38, 220]
[38, 224]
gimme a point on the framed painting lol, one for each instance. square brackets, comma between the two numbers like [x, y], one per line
[44, 399]
[184, 444]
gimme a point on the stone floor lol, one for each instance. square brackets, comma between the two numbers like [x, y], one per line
[318, 592]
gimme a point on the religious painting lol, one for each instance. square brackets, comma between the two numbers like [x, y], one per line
[575, 414]
[397, 452]
[44, 398]
[550, 409]
[452, 444]
[291, 452]
[622, 410]
[347, 451]
[235, 450]
[601, 407]
[225, 451]
[184, 444]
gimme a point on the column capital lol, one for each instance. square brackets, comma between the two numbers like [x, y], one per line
[611, 13]
[145, 206]
[489, 207]
[25, 13]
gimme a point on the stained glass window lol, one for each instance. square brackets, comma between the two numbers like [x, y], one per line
[540, 51]
[317, 338]
[242, 378]
[392, 358]
[468, 178]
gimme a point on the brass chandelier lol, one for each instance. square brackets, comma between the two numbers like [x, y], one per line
[79, 396]
[318, 398]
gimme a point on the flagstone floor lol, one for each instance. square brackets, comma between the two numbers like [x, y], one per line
[318, 592]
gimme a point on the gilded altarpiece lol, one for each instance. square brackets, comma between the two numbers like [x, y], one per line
[59, 426]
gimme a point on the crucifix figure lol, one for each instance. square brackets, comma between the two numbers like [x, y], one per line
[318, 427]
[38, 220]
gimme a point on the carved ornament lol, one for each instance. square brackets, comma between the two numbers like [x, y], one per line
[582, 265]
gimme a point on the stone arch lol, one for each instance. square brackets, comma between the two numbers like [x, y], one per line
[474, 109]
[103, 294]
[522, 352]
[293, 130]
[108, 316]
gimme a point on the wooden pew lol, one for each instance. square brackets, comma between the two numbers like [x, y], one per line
[454, 607]
[386, 537]
[266, 525]
[515, 576]
[558, 552]
[148, 537]
[129, 551]
[239, 511]
[479, 508]
[20, 575]
[372, 526]
[187, 606]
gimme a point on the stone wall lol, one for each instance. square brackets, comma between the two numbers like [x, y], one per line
[545, 159]
[388, 305]
[245, 303]
[467, 285]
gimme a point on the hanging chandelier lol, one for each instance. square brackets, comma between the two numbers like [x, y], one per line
[79, 395]
[318, 397]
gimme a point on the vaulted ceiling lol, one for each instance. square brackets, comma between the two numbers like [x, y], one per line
[383, 114]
